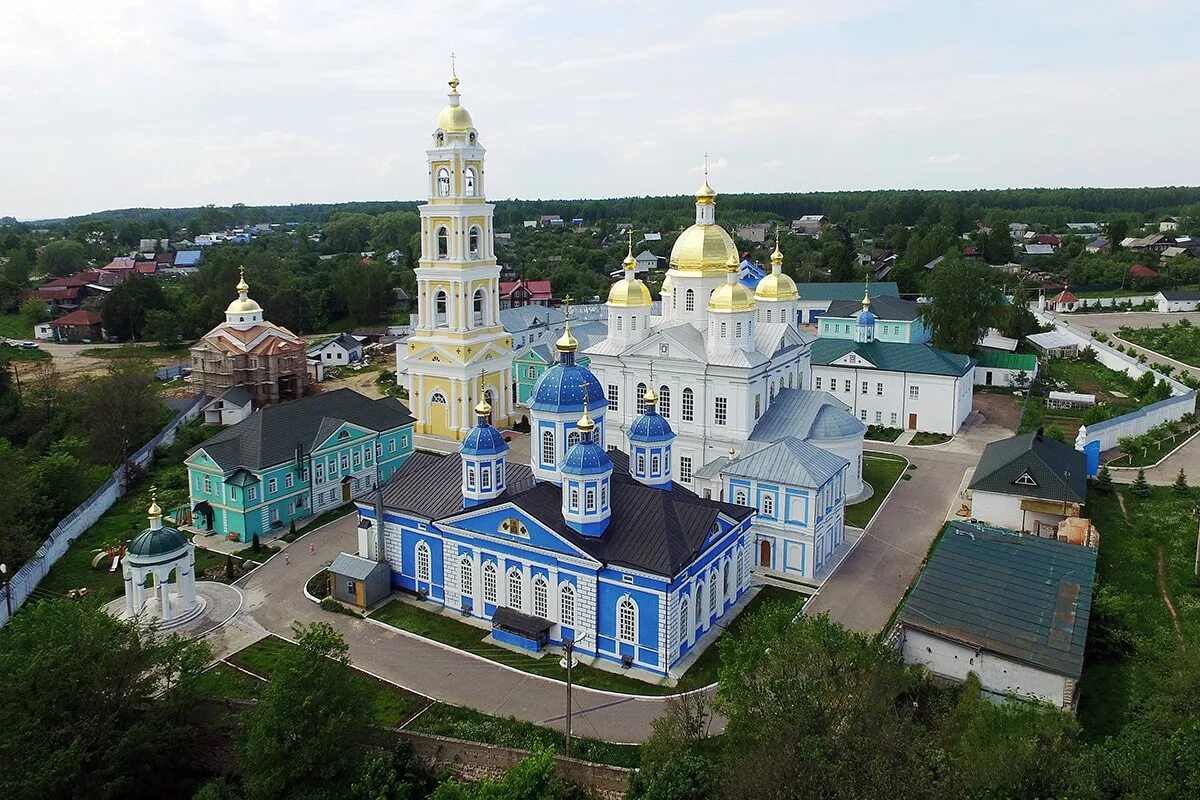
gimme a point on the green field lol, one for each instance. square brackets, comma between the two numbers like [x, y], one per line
[21, 354]
[446, 629]
[15, 326]
[1128, 605]
[881, 472]
[1180, 342]
[148, 351]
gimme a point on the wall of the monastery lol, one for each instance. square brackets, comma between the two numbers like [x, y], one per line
[940, 403]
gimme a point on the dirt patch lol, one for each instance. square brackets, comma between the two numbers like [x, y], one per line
[1161, 579]
[1124, 508]
[365, 383]
[999, 409]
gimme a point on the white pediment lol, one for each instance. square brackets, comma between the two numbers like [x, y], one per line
[852, 359]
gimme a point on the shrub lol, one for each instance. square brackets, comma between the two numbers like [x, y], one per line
[1180, 487]
[255, 545]
[1140, 487]
[333, 606]
[1103, 482]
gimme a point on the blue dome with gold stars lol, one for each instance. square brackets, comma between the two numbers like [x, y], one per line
[586, 458]
[483, 440]
[562, 388]
[651, 427]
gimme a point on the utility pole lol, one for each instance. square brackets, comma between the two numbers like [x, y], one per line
[569, 646]
[1196, 569]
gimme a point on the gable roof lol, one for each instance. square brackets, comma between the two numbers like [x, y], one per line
[272, 435]
[884, 308]
[80, 317]
[1020, 596]
[894, 356]
[845, 291]
[355, 567]
[523, 318]
[342, 340]
[650, 529]
[1174, 294]
[789, 461]
[1044, 460]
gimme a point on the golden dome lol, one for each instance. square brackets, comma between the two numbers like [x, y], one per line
[650, 396]
[585, 424]
[242, 285]
[776, 286]
[702, 248]
[731, 297]
[154, 511]
[706, 195]
[629, 293]
[567, 343]
[454, 118]
[483, 408]
[243, 306]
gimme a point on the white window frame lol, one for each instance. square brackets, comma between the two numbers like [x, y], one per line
[627, 620]
[424, 561]
[489, 582]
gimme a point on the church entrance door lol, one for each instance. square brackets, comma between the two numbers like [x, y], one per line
[346, 490]
[912, 422]
[764, 554]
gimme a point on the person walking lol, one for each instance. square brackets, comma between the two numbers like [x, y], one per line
[312, 548]
[287, 560]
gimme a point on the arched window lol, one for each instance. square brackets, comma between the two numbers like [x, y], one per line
[466, 576]
[423, 570]
[768, 505]
[664, 401]
[566, 605]
[515, 585]
[684, 622]
[627, 620]
[689, 405]
[477, 307]
[589, 500]
[573, 439]
[441, 138]
[489, 582]
[439, 309]
[654, 464]
[469, 180]
[641, 464]
[641, 398]
[712, 592]
[739, 497]
[768, 315]
[689, 300]
[470, 477]
[548, 448]
[473, 241]
[772, 392]
[725, 578]
[541, 597]
[438, 398]
[443, 243]
[574, 506]
[443, 182]
[471, 138]
[699, 602]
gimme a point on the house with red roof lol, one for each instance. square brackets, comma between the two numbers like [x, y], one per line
[1064, 302]
[1142, 271]
[1049, 238]
[514, 294]
[78, 326]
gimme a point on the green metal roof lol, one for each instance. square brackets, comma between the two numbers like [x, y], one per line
[999, 359]
[1047, 469]
[845, 291]
[894, 356]
[1017, 595]
[159, 542]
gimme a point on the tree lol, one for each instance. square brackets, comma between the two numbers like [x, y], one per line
[120, 409]
[162, 326]
[1116, 229]
[393, 231]
[1140, 487]
[800, 690]
[303, 738]
[997, 245]
[92, 707]
[963, 302]
[34, 311]
[62, 257]
[1104, 482]
[673, 767]
[365, 290]
[348, 233]
[128, 305]
[1180, 487]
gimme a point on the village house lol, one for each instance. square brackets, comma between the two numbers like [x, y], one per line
[1029, 483]
[514, 294]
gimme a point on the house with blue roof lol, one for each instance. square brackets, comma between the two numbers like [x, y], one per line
[598, 547]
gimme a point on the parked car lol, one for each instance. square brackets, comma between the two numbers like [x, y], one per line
[28, 345]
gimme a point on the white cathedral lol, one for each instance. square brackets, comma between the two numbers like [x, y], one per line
[724, 363]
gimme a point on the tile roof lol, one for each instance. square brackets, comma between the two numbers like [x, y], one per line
[80, 317]
[650, 529]
[894, 356]
[1020, 596]
[1044, 460]
[272, 435]
[845, 291]
[885, 308]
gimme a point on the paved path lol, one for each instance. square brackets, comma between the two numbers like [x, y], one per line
[275, 598]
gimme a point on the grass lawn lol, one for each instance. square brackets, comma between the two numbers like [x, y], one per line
[21, 354]
[1180, 342]
[1145, 456]
[878, 433]
[926, 438]
[392, 705]
[463, 723]
[137, 351]
[231, 683]
[881, 472]
[15, 326]
[1128, 599]
[446, 629]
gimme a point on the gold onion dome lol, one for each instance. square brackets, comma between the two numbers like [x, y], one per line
[243, 304]
[650, 396]
[483, 408]
[154, 512]
[702, 248]
[629, 292]
[567, 343]
[706, 195]
[776, 286]
[730, 298]
[585, 424]
[454, 118]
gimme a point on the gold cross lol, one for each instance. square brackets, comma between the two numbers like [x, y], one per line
[706, 165]
[452, 65]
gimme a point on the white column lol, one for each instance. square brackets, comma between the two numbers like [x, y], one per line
[526, 588]
[553, 596]
[129, 598]
[164, 593]
[477, 585]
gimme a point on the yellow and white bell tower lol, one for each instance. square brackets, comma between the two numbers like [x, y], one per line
[457, 345]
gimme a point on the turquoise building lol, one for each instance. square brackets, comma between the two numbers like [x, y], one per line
[289, 461]
[893, 320]
[531, 362]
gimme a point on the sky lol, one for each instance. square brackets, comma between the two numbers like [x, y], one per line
[122, 103]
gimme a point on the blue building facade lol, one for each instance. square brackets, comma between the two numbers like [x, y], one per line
[578, 545]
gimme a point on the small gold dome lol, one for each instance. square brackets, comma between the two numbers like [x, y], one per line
[650, 396]
[483, 408]
[731, 297]
[585, 424]
[703, 249]
[241, 306]
[706, 195]
[629, 293]
[567, 343]
[454, 119]
[154, 512]
[242, 285]
[776, 286]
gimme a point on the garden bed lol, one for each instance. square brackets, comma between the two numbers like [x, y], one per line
[1180, 342]
[879, 433]
[926, 438]
[1152, 446]
[881, 472]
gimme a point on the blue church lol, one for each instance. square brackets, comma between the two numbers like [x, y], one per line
[595, 546]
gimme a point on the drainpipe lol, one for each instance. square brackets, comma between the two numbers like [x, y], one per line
[379, 553]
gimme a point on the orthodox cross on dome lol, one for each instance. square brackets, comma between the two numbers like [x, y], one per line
[706, 164]
[453, 75]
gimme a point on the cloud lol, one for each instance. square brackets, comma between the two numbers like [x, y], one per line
[953, 158]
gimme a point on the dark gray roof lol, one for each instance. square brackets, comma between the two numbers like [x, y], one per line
[845, 291]
[652, 530]
[237, 396]
[894, 356]
[356, 567]
[513, 620]
[1017, 595]
[890, 309]
[272, 435]
[1045, 461]
[345, 340]
[1172, 294]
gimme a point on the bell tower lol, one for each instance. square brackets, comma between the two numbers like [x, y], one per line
[458, 354]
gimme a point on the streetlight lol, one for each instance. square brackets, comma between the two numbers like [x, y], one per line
[568, 661]
[7, 590]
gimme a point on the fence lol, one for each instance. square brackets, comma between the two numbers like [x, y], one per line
[85, 515]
